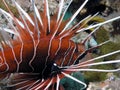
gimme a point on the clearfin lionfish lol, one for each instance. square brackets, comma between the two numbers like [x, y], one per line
[41, 51]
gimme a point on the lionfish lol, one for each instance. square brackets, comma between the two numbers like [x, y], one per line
[41, 51]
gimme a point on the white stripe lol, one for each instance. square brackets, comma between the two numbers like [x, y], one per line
[115, 52]
[25, 14]
[102, 56]
[60, 9]
[1, 60]
[66, 50]
[63, 14]
[4, 58]
[102, 63]
[87, 22]
[20, 23]
[86, 38]
[73, 52]
[13, 52]
[36, 27]
[78, 57]
[38, 14]
[95, 70]
[81, 22]
[64, 59]
[88, 19]
[12, 85]
[99, 24]
[17, 31]
[84, 52]
[23, 87]
[33, 85]
[31, 34]
[74, 16]
[9, 31]
[68, 47]
[48, 14]
[58, 47]
[58, 82]
[99, 63]
[48, 54]
[5, 13]
[50, 83]
[80, 82]
[39, 85]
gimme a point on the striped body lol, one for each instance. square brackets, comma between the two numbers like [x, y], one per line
[41, 51]
[48, 50]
